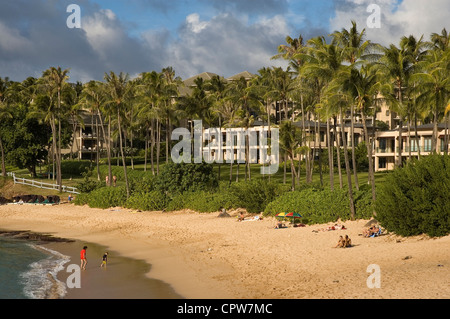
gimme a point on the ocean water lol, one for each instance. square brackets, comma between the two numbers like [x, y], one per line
[28, 271]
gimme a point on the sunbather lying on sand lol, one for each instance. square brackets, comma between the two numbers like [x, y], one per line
[334, 227]
[371, 230]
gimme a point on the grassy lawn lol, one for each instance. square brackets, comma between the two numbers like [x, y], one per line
[224, 177]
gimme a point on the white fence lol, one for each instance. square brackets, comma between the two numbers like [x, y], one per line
[33, 183]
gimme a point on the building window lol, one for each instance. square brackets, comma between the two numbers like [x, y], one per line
[322, 137]
[427, 144]
[387, 112]
[382, 162]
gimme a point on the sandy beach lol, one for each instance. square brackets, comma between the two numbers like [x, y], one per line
[204, 256]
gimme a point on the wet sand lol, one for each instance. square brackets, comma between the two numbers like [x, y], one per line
[121, 278]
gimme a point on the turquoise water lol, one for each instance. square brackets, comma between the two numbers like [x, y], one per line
[28, 271]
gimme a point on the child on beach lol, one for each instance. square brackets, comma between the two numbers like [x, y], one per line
[104, 259]
[83, 258]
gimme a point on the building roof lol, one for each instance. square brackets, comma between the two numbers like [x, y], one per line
[245, 74]
[190, 82]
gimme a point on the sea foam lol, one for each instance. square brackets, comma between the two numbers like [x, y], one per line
[40, 281]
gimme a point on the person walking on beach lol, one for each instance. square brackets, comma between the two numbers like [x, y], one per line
[83, 258]
[104, 259]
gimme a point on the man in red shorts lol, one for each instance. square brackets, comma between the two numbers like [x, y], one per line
[83, 258]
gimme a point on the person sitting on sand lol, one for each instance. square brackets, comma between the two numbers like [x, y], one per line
[347, 241]
[280, 225]
[340, 243]
[241, 217]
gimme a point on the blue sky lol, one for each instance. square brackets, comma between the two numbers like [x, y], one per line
[193, 36]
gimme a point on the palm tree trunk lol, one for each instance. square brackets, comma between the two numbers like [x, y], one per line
[352, 137]
[435, 128]
[330, 156]
[97, 148]
[158, 144]
[167, 140]
[122, 154]
[369, 154]
[400, 130]
[3, 158]
[347, 168]
[58, 158]
[106, 140]
[417, 136]
[152, 146]
[293, 172]
[408, 145]
[446, 134]
[320, 153]
[338, 153]
[146, 146]
[109, 152]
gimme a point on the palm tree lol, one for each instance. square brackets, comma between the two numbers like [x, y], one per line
[321, 63]
[355, 50]
[93, 97]
[217, 89]
[4, 114]
[167, 106]
[150, 93]
[416, 49]
[290, 142]
[55, 79]
[441, 41]
[434, 85]
[118, 89]
[245, 98]
[395, 65]
[363, 86]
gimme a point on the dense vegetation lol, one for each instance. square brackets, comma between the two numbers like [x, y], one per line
[415, 199]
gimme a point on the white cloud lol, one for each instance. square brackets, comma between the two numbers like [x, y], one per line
[194, 23]
[409, 17]
[226, 45]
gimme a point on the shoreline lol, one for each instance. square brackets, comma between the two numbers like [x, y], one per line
[202, 256]
[122, 278]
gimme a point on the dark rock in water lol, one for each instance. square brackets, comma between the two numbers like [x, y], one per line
[4, 201]
[27, 235]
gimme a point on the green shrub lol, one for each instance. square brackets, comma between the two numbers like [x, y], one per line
[319, 205]
[151, 201]
[81, 199]
[88, 185]
[144, 183]
[178, 178]
[106, 197]
[415, 199]
[254, 195]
